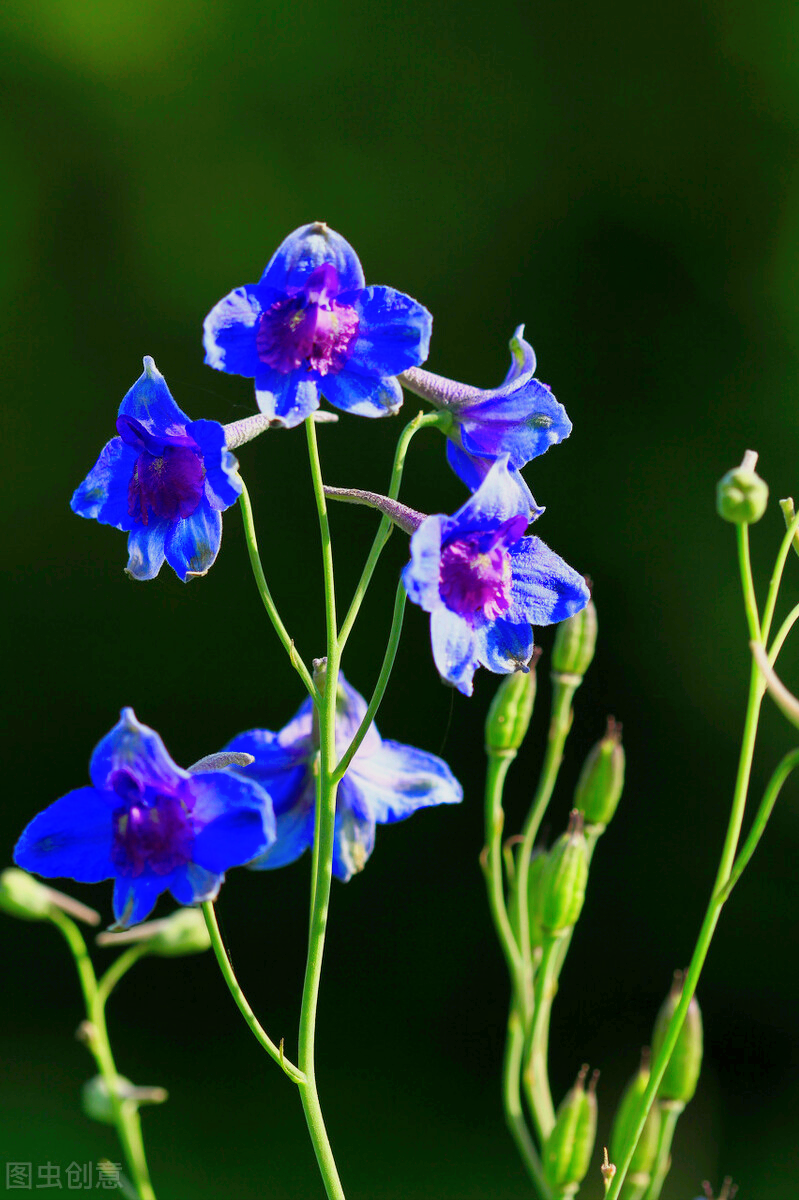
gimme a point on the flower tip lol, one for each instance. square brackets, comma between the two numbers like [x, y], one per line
[127, 720]
[319, 226]
[150, 369]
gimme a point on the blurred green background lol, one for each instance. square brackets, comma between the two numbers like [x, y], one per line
[625, 182]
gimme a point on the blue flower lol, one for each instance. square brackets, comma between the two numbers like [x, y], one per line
[520, 419]
[385, 782]
[312, 325]
[165, 481]
[485, 585]
[148, 825]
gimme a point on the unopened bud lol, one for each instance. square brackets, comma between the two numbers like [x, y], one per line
[575, 643]
[601, 780]
[184, 932]
[568, 1150]
[511, 710]
[564, 877]
[682, 1074]
[96, 1098]
[742, 496]
[23, 896]
[624, 1124]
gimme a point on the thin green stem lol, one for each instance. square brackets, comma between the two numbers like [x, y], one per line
[745, 568]
[265, 594]
[512, 1103]
[498, 765]
[536, 1075]
[229, 976]
[126, 1117]
[119, 967]
[784, 630]
[422, 420]
[670, 1112]
[773, 788]
[776, 577]
[380, 687]
[322, 863]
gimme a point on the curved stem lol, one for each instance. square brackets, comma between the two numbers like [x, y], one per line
[776, 577]
[380, 686]
[265, 594]
[420, 421]
[228, 974]
[536, 1074]
[784, 630]
[126, 1117]
[512, 1102]
[498, 765]
[119, 967]
[770, 795]
[750, 601]
[670, 1112]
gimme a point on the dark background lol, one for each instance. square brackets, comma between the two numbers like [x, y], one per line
[626, 184]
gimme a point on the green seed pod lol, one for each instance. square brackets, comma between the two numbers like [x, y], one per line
[601, 780]
[575, 643]
[742, 496]
[568, 1150]
[535, 874]
[23, 896]
[682, 1073]
[511, 709]
[645, 1154]
[96, 1098]
[564, 877]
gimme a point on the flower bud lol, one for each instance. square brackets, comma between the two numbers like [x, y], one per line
[601, 780]
[643, 1160]
[96, 1098]
[575, 643]
[742, 496]
[23, 896]
[682, 1073]
[184, 932]
[568, 1150]
[511, 709]
[564, 877]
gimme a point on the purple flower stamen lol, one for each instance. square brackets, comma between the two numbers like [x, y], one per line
[310, 329]
[169, 484]
[475, 582]
[154, 834]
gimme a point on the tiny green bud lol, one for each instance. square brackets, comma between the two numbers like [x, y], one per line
[741, 495]
[789, 513]
[575, 643]
[23, 896]
[682, 1073]
[184, 932]
[564, 877]
[96, 1098]
[511, 710]
[643, 1160]
[568, 1150]
[601, 780]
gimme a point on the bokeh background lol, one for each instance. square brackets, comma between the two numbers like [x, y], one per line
[622, 179]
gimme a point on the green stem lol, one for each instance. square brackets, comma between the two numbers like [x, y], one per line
[119, 967]
[776, 577]
[126, 1117]
[670, 1112]
[536, 1076]
[770, 795]
[717, 897]
[496, 773]
[784, 630]
[559, 726]
[266, 596]
[512, 1103]
[322, 864]
[380, 686]
[420, 421]
[228, 974]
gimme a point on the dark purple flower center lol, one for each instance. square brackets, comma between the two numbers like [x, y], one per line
[153, 831]
[474, 580]
[310, 329]
[166, 485]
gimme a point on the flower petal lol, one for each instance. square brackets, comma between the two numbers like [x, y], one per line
[139, 750]
[421, 576]
[192, 543]
[521, 422]
[353, 835]
[361, 394]
[473, 471]
[544, 588]
[134, 899]
[280, 771]
[498, 499]
[71, 839]
[350, 711]
[222, 483]
[295, 831]
[454, 648]
[146, 550]
[229, 330]
[503, 647]
[287, 399]
[308, 248]
[150, 401]
[398, 779]
[234, 838]
[103, 494]
[194, 885]
[393, 331]
[522, 356]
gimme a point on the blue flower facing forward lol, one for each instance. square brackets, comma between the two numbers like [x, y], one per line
[149, 825]
[385, 782]
[311, 325]
[485, 585]
[520, 419]
[165, 481]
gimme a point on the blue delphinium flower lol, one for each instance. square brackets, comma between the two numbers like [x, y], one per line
[485, 585]
[311, 325]
[149, 825]
[521, 418]
[165, 481]
[385, 782]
